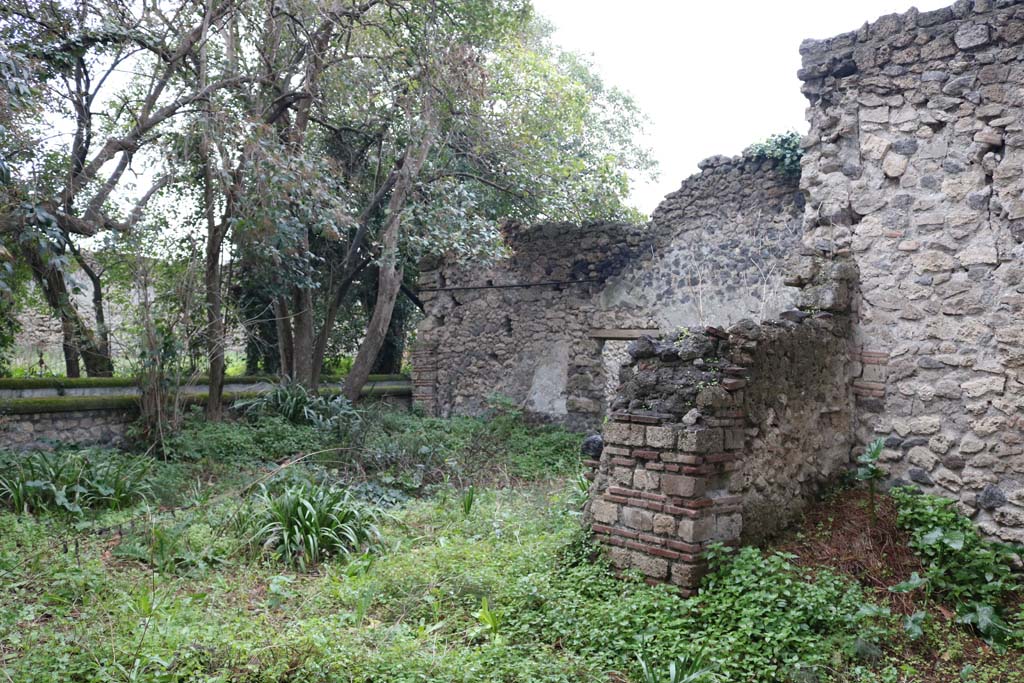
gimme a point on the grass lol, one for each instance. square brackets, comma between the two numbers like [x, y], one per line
[504, 588]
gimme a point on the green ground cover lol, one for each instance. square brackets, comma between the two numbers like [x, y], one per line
[390, 547]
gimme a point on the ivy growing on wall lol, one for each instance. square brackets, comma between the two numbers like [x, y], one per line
[783, 148]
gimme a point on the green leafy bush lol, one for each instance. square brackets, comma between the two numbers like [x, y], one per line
[263, 439]
[762, 618]
[781, 147]
[72, 480]
[757, 618]
[961, 567]
[299, 406]
[307, 524]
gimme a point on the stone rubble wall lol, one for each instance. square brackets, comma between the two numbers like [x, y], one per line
[722, 436]
[914, 164]
[484, 333]
[40, 430]
[721, 241]
[721, 237]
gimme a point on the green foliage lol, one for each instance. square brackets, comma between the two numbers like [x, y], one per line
[961, 567]
[513, 592]
[182, 546]
[783, 148]
[869, 471]
[72, 480]
[259, 440]
[757, 617]
[9, 325]
[408, 453]
[307, 524]
[490, 621]
[299, 406]
[680, 670]
[467, 500]
[775, 620]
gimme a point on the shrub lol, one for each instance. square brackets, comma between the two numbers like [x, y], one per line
[395, 454]
[72, 480]
[680, 670]
[297, 405]
[781, 147]
[974, 574]
[306, 524]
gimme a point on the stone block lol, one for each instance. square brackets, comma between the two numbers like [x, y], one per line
[654, 567]
[623, 434]
[682, 485]
[695, 530]
[983, 385]
[619, 557]
[875, 373]
[623, 476]
[923, 458]
[1010, 516]
[701, 440]
[604, 512]
[636, 518]
[688, 575]
[948, 479]
[728, 527]
[733, 439]
[664, 524]
[645, 481]
[661, 437]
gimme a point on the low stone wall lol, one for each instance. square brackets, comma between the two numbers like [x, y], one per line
[724, 436]
[39, 413]
[85, 427]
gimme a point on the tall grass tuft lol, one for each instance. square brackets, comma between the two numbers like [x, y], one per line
[72, 480]
[306, 524]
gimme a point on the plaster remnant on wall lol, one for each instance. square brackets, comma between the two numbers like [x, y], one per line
[547, 390]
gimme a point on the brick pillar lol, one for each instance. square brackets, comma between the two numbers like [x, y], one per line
[423, 355]
[424, 378]
[661, 490]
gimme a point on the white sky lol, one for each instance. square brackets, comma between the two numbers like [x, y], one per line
[712, 76]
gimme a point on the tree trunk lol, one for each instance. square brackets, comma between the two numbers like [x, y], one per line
[98, 363]
[78, 339]
[286, 349]
[214, 294]
[70, 348]
[389, 358]
[102, 333]
[214, 242]
[302, 339]
[389, 279]
[214, 329]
